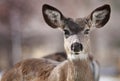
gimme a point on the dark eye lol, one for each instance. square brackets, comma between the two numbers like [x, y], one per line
[66, 32]
[86, 31]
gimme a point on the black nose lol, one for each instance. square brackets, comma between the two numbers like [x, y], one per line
[76, 47]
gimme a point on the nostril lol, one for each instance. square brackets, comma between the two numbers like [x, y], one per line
[81, 47]
[76, 47]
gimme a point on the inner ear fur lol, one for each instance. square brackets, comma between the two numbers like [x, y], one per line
[47, 20]
[101, 22]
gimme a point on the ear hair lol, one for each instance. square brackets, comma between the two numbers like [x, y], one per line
[100, 16]
[47, 11]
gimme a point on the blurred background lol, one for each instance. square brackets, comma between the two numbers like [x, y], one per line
[24, 33]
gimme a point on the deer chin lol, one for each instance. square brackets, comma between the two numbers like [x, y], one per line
[83, 56]
[77, 56]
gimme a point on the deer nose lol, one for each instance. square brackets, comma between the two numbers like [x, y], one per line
[76, 47]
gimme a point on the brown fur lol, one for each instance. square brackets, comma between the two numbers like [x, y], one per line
[30, 70]
[44, 70]
[61, 56]
[72, 71]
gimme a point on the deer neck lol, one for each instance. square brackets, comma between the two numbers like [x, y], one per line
[79, 70]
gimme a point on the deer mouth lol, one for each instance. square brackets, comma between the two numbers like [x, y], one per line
[75, 53]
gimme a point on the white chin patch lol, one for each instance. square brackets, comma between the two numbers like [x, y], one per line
[77, 57]
[83, 56]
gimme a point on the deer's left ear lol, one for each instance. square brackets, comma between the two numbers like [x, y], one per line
[100, 16]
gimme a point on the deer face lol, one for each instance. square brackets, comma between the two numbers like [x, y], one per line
[76, 32]
[75, 36]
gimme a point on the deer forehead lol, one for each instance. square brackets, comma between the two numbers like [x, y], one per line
[75, 26]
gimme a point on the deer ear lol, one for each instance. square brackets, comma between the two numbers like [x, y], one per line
[100, 16]
[52, 16]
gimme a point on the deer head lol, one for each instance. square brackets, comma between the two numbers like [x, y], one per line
[76, 32]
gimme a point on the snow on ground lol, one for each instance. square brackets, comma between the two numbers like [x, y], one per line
[109, 78]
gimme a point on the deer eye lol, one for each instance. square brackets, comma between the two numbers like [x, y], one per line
[86, 31]
[67, 33]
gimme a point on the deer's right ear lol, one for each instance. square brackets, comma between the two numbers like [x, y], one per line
[52, 16]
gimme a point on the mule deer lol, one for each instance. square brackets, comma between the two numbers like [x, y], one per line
[78, 66]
